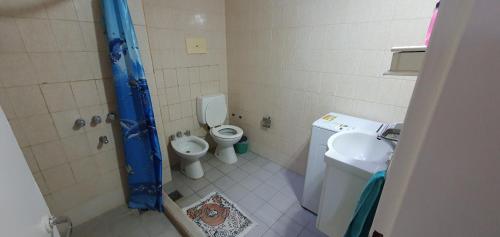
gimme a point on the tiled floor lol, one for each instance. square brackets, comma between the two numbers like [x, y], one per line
[267, 192]
[124, 222]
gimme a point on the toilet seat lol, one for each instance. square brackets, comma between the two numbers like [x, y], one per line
[228, 132]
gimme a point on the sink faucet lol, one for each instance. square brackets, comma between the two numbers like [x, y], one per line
[392, 133]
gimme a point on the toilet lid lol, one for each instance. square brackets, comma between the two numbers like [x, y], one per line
[215, 113]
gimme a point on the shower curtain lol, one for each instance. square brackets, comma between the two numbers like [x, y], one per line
[140, 139]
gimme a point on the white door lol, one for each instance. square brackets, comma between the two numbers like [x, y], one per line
[22, 207]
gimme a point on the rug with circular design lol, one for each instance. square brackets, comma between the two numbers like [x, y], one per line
[217, 216]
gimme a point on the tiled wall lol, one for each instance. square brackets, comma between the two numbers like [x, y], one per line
[54, 70]
[296, 60]
[178, 76]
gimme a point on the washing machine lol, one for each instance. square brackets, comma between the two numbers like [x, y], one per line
[322, 129]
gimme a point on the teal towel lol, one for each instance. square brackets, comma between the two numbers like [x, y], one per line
[367, 205]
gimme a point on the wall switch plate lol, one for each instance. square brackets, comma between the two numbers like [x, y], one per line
[196, 45]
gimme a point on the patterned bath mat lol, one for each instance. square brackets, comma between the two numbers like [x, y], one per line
[217, 216]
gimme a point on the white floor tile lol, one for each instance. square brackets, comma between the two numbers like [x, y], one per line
[277, 181]
[250, 168]
[268, 214]
[250, 182]
[207, 190]
[262, 174]
[299, 214]
[309, 233]
[265, 192]
[272, 167]
[215, 162]
[224, 183]
[251, 202]
[259, 161]
[225, 168]
[186, 201]
[240, 162]
[237, 174]
[196, 184]
[281, 202]
[285, 226]
[213, 175]
[248, 156]
[271, 233]
[236, 193]
[206, 166]
[183, 189]
[257, 231]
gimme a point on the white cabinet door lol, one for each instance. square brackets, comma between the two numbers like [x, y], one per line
[22, 207]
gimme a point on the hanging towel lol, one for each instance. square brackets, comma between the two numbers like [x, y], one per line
[367, 205]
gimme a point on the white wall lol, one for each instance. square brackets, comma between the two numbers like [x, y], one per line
[444, 178]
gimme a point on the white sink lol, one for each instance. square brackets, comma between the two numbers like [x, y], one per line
[359, 149]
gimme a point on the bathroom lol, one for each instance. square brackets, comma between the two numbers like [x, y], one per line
[274, 67]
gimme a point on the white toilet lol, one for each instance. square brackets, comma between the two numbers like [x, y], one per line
[212, 110]
[190, 149]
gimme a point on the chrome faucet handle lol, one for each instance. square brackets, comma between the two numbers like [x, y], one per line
[187, 133]
[79, 123]
[178, 134]
[110, 117]
[96, 119]
[103, 140]
[172, 137]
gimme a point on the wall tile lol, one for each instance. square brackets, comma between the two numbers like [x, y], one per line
[48, 67]
[93, 36]
[59, 177]
[39, 129]
[27, 101]
[85, 93]
[49, 154]
[17, 70]
[184, 93]
[170, 77]
[88, 10]
[175, 111]
[76, 147]
[85, 169]
[37, 35]
[68, 35]
[58, 96]
[77, 66]
[107, 161]
[183, 76]
[173, 95]
[11, 39]
[186, 109]
[62, 10]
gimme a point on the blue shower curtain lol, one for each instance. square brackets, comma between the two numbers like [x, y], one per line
[140, 139]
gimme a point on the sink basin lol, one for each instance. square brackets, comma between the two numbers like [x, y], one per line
[359, 149]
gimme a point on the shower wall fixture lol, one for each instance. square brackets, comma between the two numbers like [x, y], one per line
[140, 138]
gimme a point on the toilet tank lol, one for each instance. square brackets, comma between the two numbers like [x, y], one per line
[202, 103]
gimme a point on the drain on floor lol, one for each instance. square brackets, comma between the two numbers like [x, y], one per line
[175, 195]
